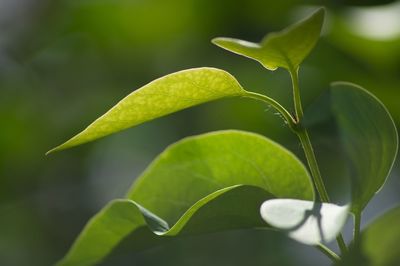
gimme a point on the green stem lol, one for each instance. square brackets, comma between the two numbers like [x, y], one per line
[357, 226]
[302, 133]
[328, 252]
[286, 115]
[313, 165]
[294, 74]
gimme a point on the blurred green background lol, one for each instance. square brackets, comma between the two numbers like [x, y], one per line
[63, 63]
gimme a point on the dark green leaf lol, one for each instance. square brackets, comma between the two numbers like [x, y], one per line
[305, 221]
[379, 242]
[366, 133]
[369, 138]
[286, 48]
[201, 184]
[163, 96]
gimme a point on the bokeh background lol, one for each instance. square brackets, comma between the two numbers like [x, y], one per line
[65, 62]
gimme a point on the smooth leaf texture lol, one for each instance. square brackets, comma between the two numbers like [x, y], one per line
[369, 137]
[379, 242]
[205, 183]
[122, 217]
[197, 166]
[367, 133]
[305, 221]
[286, 48]
[160, 97]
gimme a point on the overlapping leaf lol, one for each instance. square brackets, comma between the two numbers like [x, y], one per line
[205, 183]
[160, 97]
[367, 133]
[286, 48]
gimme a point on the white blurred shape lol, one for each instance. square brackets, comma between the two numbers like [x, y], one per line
[378, 23]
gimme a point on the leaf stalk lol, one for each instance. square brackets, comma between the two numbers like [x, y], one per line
[319, 186]
[328, 252]
[285, 113]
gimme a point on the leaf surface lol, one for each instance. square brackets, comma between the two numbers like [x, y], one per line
[367, 135]
[160, 97]
[305, 221]
[197, 166]
[369, 138]
[379, 242]
[286, 48]
[201, 184]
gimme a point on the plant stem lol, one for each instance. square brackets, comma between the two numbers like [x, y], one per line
[313, 165]
[305, 141]
[357, 226]
[286, 115]
[328, 252]
[294, 74]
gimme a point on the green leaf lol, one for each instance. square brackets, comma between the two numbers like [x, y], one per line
[201, 184]
[366, 133]
[379, 242]
[308, 222]
[221, 210]
[286, 48]
[369, 138]
[160, 97]
[197, 166]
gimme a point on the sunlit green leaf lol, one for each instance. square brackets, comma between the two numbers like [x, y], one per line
[286, 48]
[379, 242]
[196, 166]
[201, 184]
[163, 96]
[305, 221]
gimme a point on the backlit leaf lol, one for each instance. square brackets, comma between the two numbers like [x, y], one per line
[160, 97]
[201, 184]
[286, 48]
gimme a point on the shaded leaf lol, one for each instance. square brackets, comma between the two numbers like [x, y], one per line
[369, 138]
[379, 242]
[221, 210]
[204, 183]
[305, 221]
[367, 134]
[286, 48]
[160, 97]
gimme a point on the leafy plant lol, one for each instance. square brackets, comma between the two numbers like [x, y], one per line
[233, 179]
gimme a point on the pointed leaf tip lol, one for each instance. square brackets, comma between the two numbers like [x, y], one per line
[286, 48]
[160, 97]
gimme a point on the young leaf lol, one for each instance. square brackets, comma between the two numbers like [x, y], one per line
[163, 96]
[195, 186]
[286, 48]
[379, 242]
[308, 222]
[369, 138]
